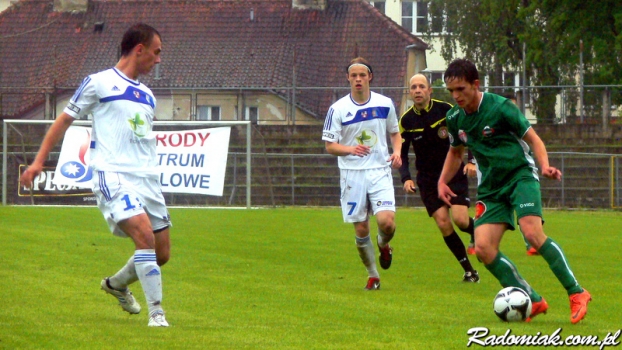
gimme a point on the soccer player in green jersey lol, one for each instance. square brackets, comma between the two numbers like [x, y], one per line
[503, 142]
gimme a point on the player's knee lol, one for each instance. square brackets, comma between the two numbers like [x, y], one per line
[485, 254]
[444, 224]
[388, 227]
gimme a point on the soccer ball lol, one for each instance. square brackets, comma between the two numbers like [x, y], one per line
[512, 304]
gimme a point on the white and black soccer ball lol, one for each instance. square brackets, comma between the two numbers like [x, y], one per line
[512, 304]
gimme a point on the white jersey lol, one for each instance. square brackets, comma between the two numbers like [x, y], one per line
[349, 123]
[123, 111]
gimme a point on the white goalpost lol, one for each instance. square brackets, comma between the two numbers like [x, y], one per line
[22, 138]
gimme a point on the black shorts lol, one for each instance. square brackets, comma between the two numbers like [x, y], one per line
[429, 195]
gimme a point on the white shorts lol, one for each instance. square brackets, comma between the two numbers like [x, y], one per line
[366, 192]
[121, 196]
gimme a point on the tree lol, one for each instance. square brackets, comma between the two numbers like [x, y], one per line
[492, 33]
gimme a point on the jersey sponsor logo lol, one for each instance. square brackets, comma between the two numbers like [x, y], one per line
[131, 94]
[453, 114]
[480, 210]
[384, 203]
[462, 136]
[488, 131]
[526, 205]
[138, 125]
[451, 138]
[73, 107]
[366, 114]
[328, 135]
[367, 138]
[442, 132]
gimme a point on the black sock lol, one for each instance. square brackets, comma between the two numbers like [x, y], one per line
[470, 229]
[454, 243]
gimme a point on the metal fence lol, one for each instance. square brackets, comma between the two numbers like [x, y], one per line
[590, 180]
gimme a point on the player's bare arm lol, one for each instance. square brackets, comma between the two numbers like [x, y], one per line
[338, 149]
[396, 157]
[54, 134]
[539, 151]
[451, 166]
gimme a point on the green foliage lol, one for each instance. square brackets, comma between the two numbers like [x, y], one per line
[491, 33]
[283, 279]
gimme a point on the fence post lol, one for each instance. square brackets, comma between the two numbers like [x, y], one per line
[563, 170]
[293, 179]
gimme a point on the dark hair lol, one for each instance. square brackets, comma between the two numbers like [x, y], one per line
[461, 68]
[139, 33]
[359, 60]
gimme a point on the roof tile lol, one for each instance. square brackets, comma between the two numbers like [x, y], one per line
[206, 43]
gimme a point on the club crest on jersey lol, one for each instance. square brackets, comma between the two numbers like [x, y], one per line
[367, 138]
[462, 136]
[364, 114]
[137, 94]
[138, 125]
[442, 132]
[374, 113]
[488, 131]
[480, 209]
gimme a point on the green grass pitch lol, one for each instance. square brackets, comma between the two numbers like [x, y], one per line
[285, 278]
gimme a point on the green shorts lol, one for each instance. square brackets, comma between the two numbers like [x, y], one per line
[521, 196]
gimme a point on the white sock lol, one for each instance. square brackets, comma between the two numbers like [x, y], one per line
[368, 255]
[384, 239]
[125, 276]
[150, 278]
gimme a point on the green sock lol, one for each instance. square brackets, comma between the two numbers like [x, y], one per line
[505, 271]
[554, 256]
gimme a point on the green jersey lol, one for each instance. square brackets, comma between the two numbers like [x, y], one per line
[494, 135]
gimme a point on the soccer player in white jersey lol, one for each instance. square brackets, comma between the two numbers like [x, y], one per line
[355, 130]
[123, 159]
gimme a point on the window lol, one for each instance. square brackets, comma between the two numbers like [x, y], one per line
[252, 114]
[379, 5]
[208, 113]
[436, 79]
[417, 18]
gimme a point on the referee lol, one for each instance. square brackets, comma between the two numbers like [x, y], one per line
[423, 126]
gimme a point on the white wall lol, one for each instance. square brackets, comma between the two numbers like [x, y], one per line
[5, 3]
